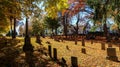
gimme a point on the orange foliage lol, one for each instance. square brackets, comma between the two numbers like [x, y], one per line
[79, 4]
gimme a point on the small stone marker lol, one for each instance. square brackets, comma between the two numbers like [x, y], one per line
[50, 51]
[91, 41]
[48, 42]
[109, 45]
[111, 54]
[83, 50]
[74, 62]
[75, 40]
[55, 53]
[119, 46]
[64, 62]
[83, 42]
[103, 46]
[67, 47]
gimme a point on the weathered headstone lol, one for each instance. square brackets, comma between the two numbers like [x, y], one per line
[103, 46]
[55, 53]
[74, 61]
[63, 62]
[83, 42]
[119, 46]
[91, 41]
[111, 54]
[83, 50]
[76, 40]
[109, 45]
[67, 47]
[48, 42]
[50, 51]
[38, 40]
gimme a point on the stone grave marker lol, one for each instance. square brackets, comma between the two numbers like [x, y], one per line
[55, 53]
[109, 45]
[91, 41]
[119, 46]
[83, 50]
[111, 54]
[63, 62]
[103, 46]
[50, 51]
[48, 42]
[67, 47]
[83, 42]
[74, 61]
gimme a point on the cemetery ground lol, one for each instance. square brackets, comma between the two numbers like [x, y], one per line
[94, 56]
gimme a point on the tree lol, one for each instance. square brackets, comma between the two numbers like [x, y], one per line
[52, 7]
[103, 10]
[37, 27]
[10, 11]
[52, 23]
[74, 11]
[4, 25]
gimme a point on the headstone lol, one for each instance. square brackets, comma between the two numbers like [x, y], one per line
[74, 62]
[103, 46]
[38, 40]
[91, 41]
[83, 42]
[48, 42]
[111, 54]
[83, 50]
[64, 63]
[67, 47]
[63, 60]
[76, 40]
[55, 53]
[109, 45]
[119, 46]
[50, 51]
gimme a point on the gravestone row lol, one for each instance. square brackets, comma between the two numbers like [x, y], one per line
[54, 52]
[111, 54]
[74, 61]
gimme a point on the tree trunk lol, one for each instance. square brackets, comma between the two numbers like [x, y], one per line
[11, 27]
[56, 31]
[76, 36]
[105, 18]
[14, 32]
[52, 33]
[65, 25]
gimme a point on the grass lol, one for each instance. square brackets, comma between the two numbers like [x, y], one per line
[94, 57]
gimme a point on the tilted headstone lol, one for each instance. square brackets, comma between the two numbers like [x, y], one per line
[64, 63]
[55, 53]
[103, 46]
[74, 61]
[67, 47]
[50, 51]
[83, 50]
[111, 54]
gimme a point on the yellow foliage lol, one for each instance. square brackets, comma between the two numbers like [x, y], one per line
[53, 7]
[114, 27]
